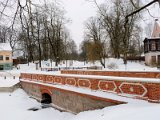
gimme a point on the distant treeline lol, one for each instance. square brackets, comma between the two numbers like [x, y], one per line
[136, 58]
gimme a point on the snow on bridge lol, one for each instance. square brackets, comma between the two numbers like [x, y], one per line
[93, 87]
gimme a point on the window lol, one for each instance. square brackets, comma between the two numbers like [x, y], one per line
[7, 58]
[146, 47]
[158, 45]
[153, 45]
[153, 60]
[1, 57]
[1, 67]
[7, 66]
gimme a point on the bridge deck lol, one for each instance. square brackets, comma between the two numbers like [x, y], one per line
[84, 92]
[141, 88]
[99, 95]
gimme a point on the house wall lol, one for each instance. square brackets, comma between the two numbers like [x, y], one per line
[151, 46]
[7, 64]
[148, 57]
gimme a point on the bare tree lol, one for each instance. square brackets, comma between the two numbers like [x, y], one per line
[95, 34]
[118, 28]
[38, 21]
[83, 51]
[55, 28]
[148, 29]
[43, 29]
[3, 33]
[119, 21]
[12, 38]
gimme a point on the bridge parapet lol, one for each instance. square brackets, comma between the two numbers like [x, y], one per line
[140, 88]
[135, 74]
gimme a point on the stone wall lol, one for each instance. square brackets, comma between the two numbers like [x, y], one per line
[67, 100]
[77, 103]
[33, 90]
[10, 89]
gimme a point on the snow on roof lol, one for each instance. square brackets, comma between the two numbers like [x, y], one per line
[5, 47]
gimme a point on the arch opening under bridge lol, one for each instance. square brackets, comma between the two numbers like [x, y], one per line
[46, 98]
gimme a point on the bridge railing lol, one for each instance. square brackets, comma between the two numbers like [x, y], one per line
[140, 88]
[136, 74]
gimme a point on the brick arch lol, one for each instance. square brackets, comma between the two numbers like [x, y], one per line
[46, 91]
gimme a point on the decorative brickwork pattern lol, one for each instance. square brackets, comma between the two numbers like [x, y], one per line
[84, 83]
[57, 79]
[49, 79]
[114, 73]
[107, 86]
[70, 81]
[140, 90]
[133, 88]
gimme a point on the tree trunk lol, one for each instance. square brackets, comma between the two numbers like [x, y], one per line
[125, 58]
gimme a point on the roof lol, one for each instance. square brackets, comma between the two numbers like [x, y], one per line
[5, 47]
[156, 30]
[150, 39]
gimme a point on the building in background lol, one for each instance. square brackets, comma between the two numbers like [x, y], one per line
[152, 47]
[6, 61]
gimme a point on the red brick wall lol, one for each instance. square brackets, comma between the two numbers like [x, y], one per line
[114, 73]
[140, 90]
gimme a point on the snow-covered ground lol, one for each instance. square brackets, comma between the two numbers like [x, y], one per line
[111, 65]
[123, 112]
[8, 81]
[110, 62]
[14, 106]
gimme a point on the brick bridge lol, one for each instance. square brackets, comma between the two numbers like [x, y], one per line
[64, 92]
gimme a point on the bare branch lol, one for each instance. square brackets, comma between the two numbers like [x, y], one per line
[136, 11]
[134, 5]
[5, 5]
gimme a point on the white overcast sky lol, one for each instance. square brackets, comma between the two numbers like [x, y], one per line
[78, 11]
